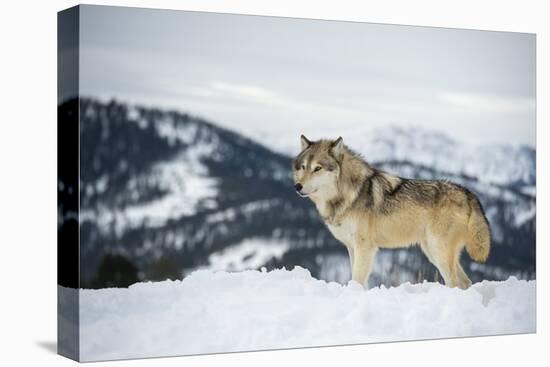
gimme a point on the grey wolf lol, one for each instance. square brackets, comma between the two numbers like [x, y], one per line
[367, 209]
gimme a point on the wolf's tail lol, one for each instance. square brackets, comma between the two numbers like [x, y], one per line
[478, 243]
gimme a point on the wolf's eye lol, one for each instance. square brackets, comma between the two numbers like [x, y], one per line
[303, 167]
[317, 169]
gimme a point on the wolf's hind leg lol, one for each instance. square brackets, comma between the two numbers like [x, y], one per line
[363, 258]
[462, 279]
[445, 270]
[437, 256]
[445, 273]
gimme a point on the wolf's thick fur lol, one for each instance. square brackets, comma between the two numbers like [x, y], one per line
[367, 209]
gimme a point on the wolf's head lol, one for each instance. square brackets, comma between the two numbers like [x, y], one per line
[317, 167]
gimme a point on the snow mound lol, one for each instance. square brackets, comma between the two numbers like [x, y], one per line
[210, 312]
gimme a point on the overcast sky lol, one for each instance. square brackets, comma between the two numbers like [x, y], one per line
[274, 78]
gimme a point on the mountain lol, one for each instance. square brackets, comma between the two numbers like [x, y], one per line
[162, 186]
[492, 163]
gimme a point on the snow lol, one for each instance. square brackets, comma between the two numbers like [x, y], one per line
[186, 182]
[490, 163]
[184, 179]
[529, 190]
[523, 217]
[210, 312]
[249, 254]
[247, 209]
[173, 132]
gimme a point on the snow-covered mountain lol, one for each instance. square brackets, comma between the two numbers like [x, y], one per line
[492, 163]
[167, 190]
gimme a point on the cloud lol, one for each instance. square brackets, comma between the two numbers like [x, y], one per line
[487, 103]
[245, 93]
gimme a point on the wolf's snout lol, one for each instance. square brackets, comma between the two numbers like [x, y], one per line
[298, 187]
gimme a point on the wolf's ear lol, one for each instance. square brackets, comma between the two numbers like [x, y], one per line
[305, 142]
[337, 147]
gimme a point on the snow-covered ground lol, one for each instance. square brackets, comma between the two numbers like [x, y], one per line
[211, 312]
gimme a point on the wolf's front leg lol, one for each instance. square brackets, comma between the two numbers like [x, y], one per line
[362, 264]
[350, 253]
